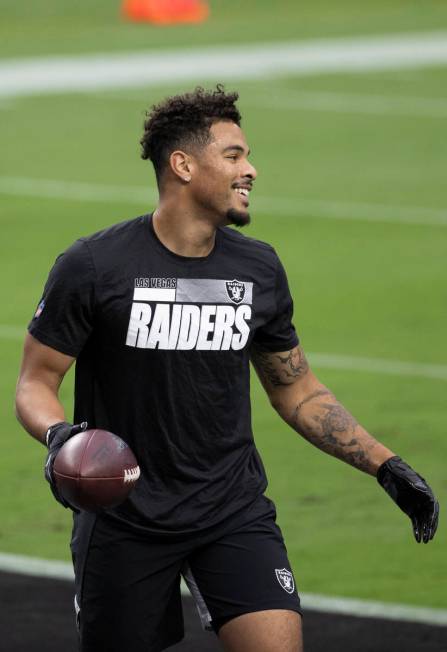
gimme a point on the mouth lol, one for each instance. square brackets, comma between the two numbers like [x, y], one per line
[243, 192]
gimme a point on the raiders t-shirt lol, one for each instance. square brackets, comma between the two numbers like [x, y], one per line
[162, 344]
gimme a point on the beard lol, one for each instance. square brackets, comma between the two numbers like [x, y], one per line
[238, 218]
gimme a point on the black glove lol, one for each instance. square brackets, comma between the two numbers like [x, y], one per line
[56, 437]
[412, 494]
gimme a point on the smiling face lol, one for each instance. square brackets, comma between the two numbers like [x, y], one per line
[221, 175]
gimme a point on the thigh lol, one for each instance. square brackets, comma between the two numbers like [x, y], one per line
[270, 631]
[130, 592]
[243, 572]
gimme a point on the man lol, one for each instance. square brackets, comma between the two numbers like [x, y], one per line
[162, 314]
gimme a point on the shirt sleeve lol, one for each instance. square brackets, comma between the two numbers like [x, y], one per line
[64, 315]
[279, 334]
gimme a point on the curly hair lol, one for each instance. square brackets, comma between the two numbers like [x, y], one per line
[184, 121]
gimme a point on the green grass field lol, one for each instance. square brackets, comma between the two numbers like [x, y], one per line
[364, 287]
[51, 26]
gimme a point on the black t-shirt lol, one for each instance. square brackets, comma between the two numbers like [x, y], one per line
[162, 345]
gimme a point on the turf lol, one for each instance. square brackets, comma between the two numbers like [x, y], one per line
[66, 26]
[370, 289]
[46, 606]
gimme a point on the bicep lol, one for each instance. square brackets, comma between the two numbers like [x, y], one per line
[43, 364]
[283, 374]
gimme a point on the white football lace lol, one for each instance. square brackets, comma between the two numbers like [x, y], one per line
[131, 475]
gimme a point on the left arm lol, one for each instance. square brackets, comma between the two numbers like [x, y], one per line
[312, 410]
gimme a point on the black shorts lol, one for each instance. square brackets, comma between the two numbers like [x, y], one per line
[128, 584]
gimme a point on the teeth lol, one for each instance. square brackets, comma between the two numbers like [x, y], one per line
[242, 191]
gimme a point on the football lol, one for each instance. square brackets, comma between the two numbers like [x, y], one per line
[95, 470]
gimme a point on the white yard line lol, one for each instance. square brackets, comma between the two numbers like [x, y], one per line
[379, 366]
[75, 191]
[286, 207]
[373, 609]
[324, 361]
[58, 570]
[352, 103]
[12, 332]
[289, 207]
[326, 101]
[38, 76]
[364, 608]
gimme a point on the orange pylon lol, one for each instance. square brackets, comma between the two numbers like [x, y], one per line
[165, 12]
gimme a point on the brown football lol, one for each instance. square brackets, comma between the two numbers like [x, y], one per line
[95, 470]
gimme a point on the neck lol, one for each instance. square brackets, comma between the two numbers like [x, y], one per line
[182, 231]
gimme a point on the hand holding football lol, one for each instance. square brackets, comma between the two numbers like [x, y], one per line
[95, 470]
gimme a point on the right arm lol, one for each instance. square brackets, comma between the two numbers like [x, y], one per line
[41, 374]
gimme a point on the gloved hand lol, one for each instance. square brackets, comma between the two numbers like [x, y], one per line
[56, 437]
[412, 494]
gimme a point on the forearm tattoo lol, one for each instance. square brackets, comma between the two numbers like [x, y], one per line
[330, 427]
[279, 369]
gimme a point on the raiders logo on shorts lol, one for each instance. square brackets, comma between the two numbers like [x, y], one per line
[285, 578]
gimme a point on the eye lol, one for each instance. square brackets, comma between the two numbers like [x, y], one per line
[233, 157]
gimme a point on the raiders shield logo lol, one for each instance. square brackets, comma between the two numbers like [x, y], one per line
[285, 578]
[235, 290]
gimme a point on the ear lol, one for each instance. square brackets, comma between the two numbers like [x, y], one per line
[181, 165]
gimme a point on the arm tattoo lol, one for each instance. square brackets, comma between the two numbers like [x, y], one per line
[319, 392]
[330, 427]
[281, 369]
[295, 363]
[318, 416]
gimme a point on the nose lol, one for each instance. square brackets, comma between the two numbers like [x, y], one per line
[250, 171]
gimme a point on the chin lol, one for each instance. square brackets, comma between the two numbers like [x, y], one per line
[238, 218]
